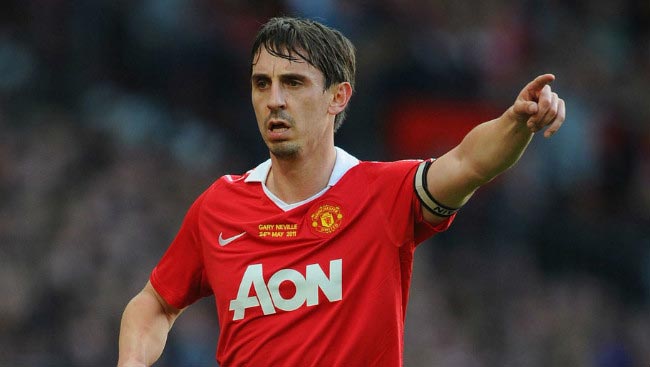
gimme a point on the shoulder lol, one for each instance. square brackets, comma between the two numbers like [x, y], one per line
[232, 179]
[382, 175]
[392, 167]
[231, 182]
[228, 192]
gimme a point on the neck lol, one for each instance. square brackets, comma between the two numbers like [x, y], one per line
[298, 178]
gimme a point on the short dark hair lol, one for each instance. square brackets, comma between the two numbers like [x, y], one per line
[323, 47]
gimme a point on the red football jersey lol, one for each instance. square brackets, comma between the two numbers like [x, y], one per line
[323, 282]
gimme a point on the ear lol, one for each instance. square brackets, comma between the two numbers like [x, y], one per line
[342, 92]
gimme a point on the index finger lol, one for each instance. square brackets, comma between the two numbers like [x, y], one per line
[538, 83]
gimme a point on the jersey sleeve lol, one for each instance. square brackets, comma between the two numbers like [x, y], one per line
[401, 204]
[179, 277]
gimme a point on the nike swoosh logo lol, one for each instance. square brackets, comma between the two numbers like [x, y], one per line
[225, 241]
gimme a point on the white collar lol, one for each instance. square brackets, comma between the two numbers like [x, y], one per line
[344, 162]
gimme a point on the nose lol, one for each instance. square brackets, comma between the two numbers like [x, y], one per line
[276, 98]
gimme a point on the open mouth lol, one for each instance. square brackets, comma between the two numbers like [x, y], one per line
[278, 126]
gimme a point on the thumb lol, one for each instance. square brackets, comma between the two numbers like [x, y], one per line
[524, 108]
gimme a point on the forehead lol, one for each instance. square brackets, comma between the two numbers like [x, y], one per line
[268, 64]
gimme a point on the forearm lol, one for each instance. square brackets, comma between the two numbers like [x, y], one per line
[493, 147]
[487, 150]
[143, 330]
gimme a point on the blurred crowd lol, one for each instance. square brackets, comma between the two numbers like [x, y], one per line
[115, 115]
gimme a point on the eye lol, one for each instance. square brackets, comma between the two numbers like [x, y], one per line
[294, 82]
[261, 83]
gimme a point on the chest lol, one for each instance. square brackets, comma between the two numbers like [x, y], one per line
[264, 260]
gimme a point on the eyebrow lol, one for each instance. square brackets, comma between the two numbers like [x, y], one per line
[299, 77]
[259, 76]
[290, 76]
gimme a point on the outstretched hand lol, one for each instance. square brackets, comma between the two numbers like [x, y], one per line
[539, 107]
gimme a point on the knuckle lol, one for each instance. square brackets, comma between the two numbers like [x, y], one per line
[544, 104]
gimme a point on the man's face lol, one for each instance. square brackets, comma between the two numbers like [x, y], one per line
[291, 105]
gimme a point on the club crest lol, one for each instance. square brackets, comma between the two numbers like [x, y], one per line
[326, 218]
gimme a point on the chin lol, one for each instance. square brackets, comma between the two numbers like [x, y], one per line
[285, 150]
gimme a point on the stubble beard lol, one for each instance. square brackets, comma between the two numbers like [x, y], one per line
[285, 150]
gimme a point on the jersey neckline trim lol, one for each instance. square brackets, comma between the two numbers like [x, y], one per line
[344, 162]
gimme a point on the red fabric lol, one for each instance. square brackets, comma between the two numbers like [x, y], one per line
[364, 228]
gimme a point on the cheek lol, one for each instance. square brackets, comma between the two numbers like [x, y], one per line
[258, 107]
[317, 105]
[255, 100]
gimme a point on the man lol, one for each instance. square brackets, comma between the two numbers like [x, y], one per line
[309, 255]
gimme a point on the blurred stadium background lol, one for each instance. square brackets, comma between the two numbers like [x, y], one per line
[115, 115]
